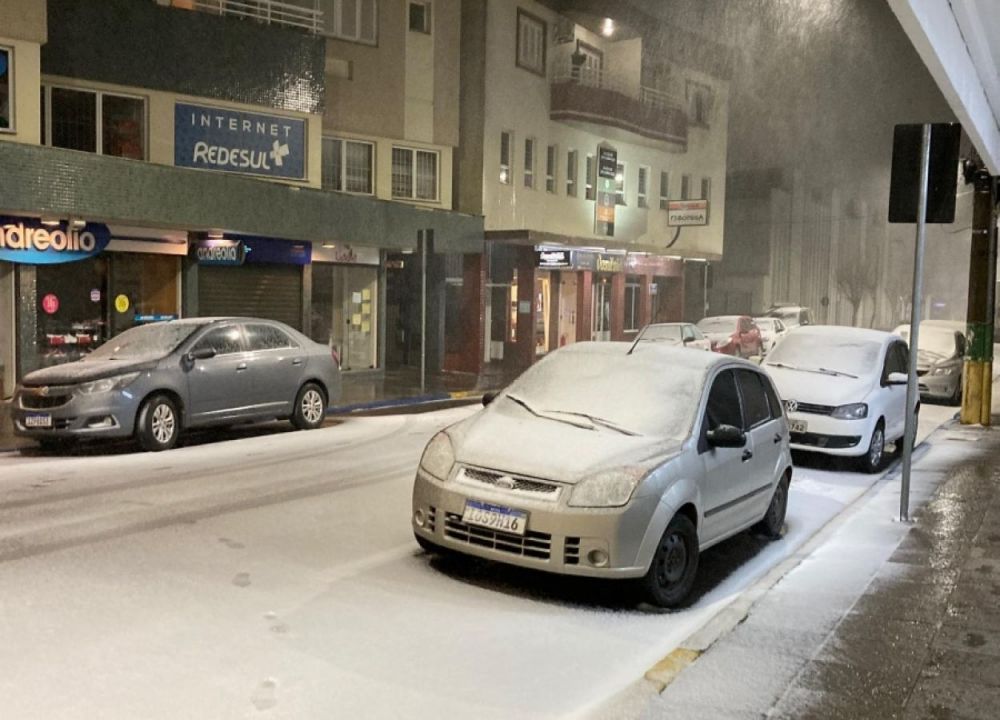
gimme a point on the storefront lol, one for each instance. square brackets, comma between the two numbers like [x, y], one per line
[344, 306]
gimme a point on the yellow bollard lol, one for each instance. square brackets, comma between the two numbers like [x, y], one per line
[972, 393]
[986, 395]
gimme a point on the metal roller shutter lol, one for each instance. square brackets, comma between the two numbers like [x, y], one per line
[265, 291]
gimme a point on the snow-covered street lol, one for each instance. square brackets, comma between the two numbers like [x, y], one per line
[276, 576]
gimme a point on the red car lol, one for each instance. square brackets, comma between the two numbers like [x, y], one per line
[733, 335]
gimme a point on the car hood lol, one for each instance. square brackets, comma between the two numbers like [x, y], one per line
[817, 388]
[515, 442]
[927, 361]
[83, 371]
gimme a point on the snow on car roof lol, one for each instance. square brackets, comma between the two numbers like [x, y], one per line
[843, 331]
[660, 353]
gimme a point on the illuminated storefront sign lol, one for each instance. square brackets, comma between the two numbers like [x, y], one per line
[29, 241]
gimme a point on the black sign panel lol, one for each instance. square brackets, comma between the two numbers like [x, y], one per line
[553, 258]
[607, 163]
[904, 190]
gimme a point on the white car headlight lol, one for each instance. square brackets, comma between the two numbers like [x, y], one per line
[611, 488]
[438, 456]
[107, 384]
[854, 411]
[948, 370]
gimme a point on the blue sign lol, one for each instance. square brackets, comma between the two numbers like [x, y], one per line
[214, 138]
[29, 241]
[272, 250]
[220, 252]
[143, 319]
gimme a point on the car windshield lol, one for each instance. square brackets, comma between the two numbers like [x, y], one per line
[632, 391]
[718, 325]
[662, 332]
[790, 317]
[827, 353]
[937, 341]
[765, 323]
[146, 342]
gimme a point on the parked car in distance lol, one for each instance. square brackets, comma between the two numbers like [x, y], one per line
[732, 335]
[844, 390]
[771, 331]
[940, 358]
[790, 315]
[596, 462]
[153, 381]
[675, 333]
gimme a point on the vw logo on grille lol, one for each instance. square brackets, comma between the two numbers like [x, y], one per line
[791, 405]
[43, 391]
[507, 483]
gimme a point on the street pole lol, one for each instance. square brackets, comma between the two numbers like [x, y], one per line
[910, 432]
[422, 239]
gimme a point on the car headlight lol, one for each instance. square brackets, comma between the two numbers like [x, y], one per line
[947, 370]
[854, 411]
[438, 456]
[107, 384]
[611, 488]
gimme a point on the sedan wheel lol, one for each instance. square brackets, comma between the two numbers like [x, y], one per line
[871, 461]
[158, 425]
[671, 574]
[774, 520]
[310, 407]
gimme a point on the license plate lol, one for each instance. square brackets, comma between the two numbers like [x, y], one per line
[38, 420]
[495, 517]
[797, 426]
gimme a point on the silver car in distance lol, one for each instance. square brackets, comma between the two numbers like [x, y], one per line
[610, 462]
[152, 381]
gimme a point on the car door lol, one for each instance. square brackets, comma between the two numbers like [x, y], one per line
[724, 468]
[763, 423]
[894, 396]
[276, 363]
[219, 386]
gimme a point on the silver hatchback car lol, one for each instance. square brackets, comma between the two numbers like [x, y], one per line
[152, 381]
[610, 462]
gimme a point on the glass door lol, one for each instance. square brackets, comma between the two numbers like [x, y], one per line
[601, 316]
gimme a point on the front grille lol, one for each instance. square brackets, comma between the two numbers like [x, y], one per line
[813, 409]
[832, 442]
[34, 401]
[532, 544]
[511, 483]
[571, 553]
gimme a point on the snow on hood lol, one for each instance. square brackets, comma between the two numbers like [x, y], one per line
[82, 371]
[817, 388]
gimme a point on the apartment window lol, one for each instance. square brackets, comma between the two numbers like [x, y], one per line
[641, 188]
[706, 188]
[506, 142]
[571, 170]
[530, 42]
[354, 20]
[590, 191]
[6, 90]
[620, 184]
[551, 154]
[93, 121]
[685, 187]
[414, 174]
[420, 17]
[700, 99]
[664, 190]
[632, 299]
[529, 162]
[348, 166]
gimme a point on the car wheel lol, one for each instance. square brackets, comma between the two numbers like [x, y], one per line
[310, 407]
[871, 461]
[675, 562]
[956, 397]
[774, 519]
[158, 425]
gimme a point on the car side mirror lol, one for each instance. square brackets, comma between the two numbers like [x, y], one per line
[727, 436]
[897, 378]
[489, 397]
[200, 354]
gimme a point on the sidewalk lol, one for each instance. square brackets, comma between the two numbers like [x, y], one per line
[880, 619]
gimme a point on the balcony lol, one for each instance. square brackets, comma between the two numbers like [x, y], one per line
[592, 95]
[300, 14]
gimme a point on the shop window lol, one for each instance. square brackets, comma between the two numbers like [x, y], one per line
[506, 141]
[571, 170]
[664, 190]
[150, 282]
[641, 187]
[414, 174]
[224, 340]
[348, 166]
[267, 337]
[530, 42]
[590, 178]
[71, 301]
[632, 299]
[551, 154]
[94, 121]
[685, 187]
[6, 89]
[344, 312]
[529, 162]
[420, 17]
[354, 20]
[620, 184]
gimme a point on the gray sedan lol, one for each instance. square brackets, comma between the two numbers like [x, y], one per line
[606, 461]
[152, 381]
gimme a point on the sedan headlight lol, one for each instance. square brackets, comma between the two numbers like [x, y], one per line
[946, 370]
[438, 456]
[107, 384]
[854, 411]
[611, 488]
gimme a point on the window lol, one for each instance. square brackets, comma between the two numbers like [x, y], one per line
[505, 148]
[664, 190]
[723, 406]
[685, 187]
[530, 42]
[348, 166]
[589, 188]
[529, 162]
[551, 154]
[641, 187]
[420, 17]
[620, 184]
[700, 99]
[571, 170]
[354, 20]
[755, 406]
[267, 337]
[6, 90]
[414, 174]
[94, 121]
[706, 188]
[896, 360]
[632, 296]
[223, 340]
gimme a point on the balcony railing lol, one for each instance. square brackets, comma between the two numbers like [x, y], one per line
[592, 95]
[304, 15]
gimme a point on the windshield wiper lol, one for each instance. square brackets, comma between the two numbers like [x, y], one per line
[544, 415]
[827, 371]
[523, 404]
[783, 365]
[611, 425]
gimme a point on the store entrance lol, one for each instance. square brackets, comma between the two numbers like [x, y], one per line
[402, 311]
[601, 312]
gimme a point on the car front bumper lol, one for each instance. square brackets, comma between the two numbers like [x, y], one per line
[593, 542]
[829, 435]
[939, 387]
[72, 414]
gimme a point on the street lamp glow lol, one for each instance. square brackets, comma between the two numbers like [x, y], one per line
[608, 27]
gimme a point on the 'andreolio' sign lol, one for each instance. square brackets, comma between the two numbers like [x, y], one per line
[29, 241]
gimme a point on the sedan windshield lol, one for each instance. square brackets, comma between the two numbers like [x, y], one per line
[936, 341]
[827, 354]
[146, 342]
[662, 332]
[632, 393]
[717, 325]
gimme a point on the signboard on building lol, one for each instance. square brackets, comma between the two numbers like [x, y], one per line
[32, 242]
[225, 140]
[684, 213]
[553, 258]
[604, 208]
[215, 251]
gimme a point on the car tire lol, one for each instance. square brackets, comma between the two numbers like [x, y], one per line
[956, 397]
[158, 424]
[773, 521]
[672, 571]
[310, 407]
[871, 462]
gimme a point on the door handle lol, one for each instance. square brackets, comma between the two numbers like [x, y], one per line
[297, 361]
[777, 438]
[747, 455]
[241, 367]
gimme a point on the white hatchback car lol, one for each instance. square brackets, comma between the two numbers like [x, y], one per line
[844, 390]
[771, 331]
